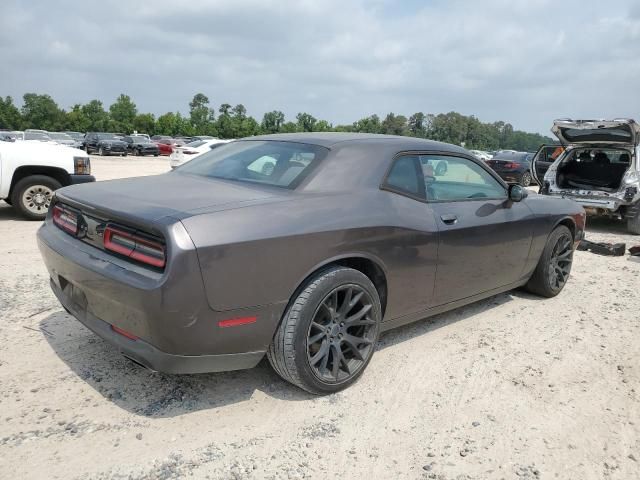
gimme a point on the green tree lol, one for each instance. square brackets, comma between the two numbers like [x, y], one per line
[394, 124]
[145, 123]
[40, 111]
[368, 125]
[272, 121]
[10, 117]
[306, 122]
[201, 115]
[322, 126]
[76, 120]
[224, 124]
[123, 113]
[416, 125]
[97, 120]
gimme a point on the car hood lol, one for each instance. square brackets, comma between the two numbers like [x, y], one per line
[613, 132]
[173, 194]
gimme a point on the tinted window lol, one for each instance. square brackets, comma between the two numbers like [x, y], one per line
[403, 176]
[454, 178]
[281, 164]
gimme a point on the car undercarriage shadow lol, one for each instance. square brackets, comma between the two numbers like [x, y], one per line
[606, 225]
[155, 395]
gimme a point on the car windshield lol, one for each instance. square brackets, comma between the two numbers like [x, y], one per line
[281, 164]
[197, 143]
[107, 136]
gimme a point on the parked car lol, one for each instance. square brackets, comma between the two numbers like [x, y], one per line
[31, 171]
[512, 167]
[599, 168]
[5, 136]
[33, 134]
[62, 139]
[192, 150]
[484, 156]
[307, 263]
[77, 137]
[104, 144]
[139, 145]
[163, 148]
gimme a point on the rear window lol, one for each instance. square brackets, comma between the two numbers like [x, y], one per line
[517, 158]
[280, 164]
[598, 135]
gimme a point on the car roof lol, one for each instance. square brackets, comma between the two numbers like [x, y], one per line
[329, 139]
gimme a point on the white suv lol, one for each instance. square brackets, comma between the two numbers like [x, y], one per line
[599, 167]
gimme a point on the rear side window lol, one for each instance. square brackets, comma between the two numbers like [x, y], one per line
[404, 177]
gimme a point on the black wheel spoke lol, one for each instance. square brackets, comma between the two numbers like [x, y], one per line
[317, 337]
[323, 352]
[357, 316]
[335, 361]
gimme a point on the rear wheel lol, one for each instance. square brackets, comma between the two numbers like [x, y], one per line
[552, 272]
[633, 222]
[100, 151]
[32, 196]
[525, 180]
[328, 334]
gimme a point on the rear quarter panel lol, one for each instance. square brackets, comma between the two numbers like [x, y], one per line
[259, 255]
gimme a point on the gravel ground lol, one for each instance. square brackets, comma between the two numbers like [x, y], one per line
[510, 387]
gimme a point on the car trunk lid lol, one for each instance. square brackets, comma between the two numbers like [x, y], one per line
[608, 132]
[145, 200]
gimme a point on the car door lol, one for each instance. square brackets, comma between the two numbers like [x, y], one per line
[543, 159]
[484, 238]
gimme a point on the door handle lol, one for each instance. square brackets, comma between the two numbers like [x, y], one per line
[449, 219]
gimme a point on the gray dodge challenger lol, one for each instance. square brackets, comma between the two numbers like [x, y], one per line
[301, 247]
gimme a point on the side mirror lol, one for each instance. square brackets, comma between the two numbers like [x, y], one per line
[517, 193]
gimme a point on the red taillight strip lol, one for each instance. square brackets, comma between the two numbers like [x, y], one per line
[124, 333]
[137, 250]
[234, 322]
[65, 219]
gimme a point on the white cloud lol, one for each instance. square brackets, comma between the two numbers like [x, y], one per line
[520, 61]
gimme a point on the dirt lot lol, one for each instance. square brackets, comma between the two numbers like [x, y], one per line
[511, 387]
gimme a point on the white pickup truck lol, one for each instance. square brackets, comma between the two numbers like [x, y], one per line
[30, 172]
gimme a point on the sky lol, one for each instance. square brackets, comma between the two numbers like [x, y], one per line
[521, 61]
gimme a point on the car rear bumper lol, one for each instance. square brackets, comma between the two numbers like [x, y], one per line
[167, 313]
[149, 356]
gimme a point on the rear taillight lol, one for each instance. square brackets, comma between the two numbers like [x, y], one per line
[511, 165]
[134, 246]
[65, 219]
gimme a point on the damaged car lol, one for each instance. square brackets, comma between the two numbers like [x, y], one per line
[598, 168]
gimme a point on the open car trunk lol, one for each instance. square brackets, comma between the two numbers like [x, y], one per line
[593, 169]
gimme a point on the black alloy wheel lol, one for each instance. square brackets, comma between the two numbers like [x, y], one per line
[341, 334]
[554, 266]
[329, 331]
[525, 181]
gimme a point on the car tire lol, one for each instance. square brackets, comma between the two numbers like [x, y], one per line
[525, 180]
[124, 154]
[25, 191]
[633, 223]
[553, 269]
[312, 333]
[156, 154]
[100, 151]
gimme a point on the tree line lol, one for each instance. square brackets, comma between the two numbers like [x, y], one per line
[42, 112]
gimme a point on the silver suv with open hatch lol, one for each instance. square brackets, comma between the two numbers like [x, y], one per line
[599, 167]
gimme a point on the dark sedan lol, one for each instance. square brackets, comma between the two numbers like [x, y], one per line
[513, 167]
[139, 145]
[220, 262]
[104, 144]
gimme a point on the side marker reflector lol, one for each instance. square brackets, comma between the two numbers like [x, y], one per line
[234, 322]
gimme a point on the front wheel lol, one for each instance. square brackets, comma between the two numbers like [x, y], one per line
[32, 196]
[100, 151]
[552, 272]
[525, 181]
[329, 332]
